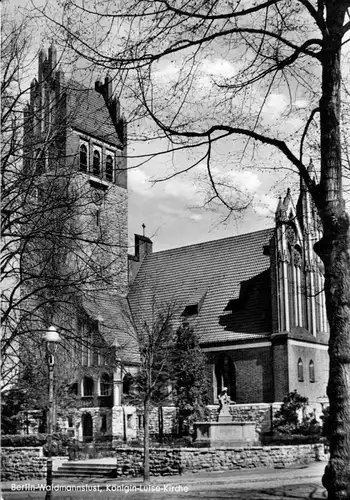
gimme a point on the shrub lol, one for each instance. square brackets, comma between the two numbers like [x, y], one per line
[60, 442]
[23, 441]
[287, 420]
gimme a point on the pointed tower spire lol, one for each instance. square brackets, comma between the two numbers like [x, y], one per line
[280, 211]
[311, 170]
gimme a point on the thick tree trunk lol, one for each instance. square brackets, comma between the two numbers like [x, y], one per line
[146, 441]
[337, 288]
[334, 250]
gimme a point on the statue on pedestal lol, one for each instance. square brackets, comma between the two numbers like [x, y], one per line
[224, 402]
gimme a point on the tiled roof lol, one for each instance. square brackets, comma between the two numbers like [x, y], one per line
[88, 113]
[229, 279]
[116, 324]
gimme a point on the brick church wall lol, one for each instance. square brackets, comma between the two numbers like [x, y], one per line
[253, 373]
[320, 358]
[280, 363]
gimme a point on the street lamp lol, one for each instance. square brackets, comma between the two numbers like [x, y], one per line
[51, 338]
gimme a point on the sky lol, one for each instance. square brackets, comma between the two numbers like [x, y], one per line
[174, 210]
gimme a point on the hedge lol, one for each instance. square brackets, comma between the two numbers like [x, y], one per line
[60, 442]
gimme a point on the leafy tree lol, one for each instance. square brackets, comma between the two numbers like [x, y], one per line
[269, 48]
[190, 378]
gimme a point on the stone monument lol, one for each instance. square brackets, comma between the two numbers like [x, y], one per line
[225, 432]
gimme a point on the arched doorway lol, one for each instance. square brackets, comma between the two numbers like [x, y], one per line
[225, 375]
[87, 427]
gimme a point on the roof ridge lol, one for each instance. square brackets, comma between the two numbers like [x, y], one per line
[214, 241]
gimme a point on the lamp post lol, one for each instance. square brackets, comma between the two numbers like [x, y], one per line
[51, 338]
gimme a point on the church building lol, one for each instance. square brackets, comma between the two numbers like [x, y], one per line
[256, 300]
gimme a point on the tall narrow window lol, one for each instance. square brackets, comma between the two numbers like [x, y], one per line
[96, 165]
[311, 371]
[88, 386]
[103, 423]
[83, 158]
[109, 168]
[225, 376]
[300, 370]
[85, 354]
[127, 383]
[98, 217]
[105, 385]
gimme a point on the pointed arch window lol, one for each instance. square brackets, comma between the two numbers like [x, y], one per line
[225, 376]
[88, 386]
[83, 158]
[105, 385]
[300, 370]
[311, 372]
[96, 163]
[109, 168]
[127, 383]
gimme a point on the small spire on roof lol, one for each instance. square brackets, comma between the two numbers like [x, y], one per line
[143, 228]
[280, 214]
[311, 169]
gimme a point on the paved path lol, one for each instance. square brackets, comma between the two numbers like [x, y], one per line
[302, 482]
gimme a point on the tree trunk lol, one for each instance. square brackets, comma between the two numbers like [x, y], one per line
[334, 250]
[337, 288]
[146, 441]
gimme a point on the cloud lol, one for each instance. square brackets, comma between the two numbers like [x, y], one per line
[275, 105]
[196, 217]
[166, 73]
[265, 205]
[140, 183]
[301, 103]
[181, 187]
[245, 180]
[218, 68]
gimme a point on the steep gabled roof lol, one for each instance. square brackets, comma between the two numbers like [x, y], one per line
[89, 114]
[222, 286]
[116, 325]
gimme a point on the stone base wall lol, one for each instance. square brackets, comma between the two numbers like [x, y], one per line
[29, 463]
[22, 463]
[162, 421]
[218, 459]
[260, 413]
[26, 463]
[169, 461]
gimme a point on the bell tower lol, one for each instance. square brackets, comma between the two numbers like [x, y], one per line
[76, 140]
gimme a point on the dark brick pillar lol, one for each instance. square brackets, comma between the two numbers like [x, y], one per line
[280, 366]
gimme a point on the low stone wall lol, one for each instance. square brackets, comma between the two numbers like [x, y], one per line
[22, 463]
[26, 463]
[218, 459]
[169, 461]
